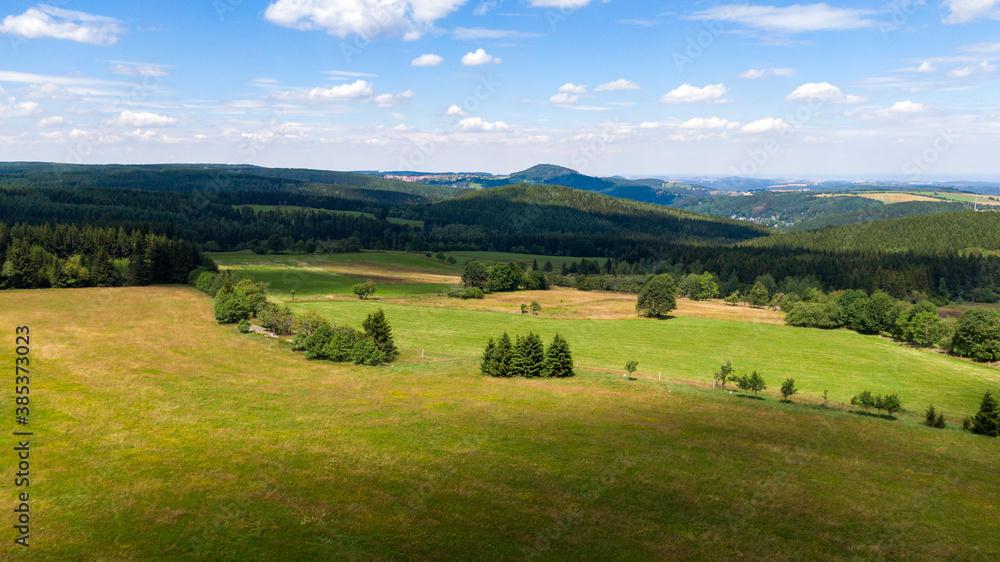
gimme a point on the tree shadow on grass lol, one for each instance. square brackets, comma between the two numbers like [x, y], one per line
[889, 417]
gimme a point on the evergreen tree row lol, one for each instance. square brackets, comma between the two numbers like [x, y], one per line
[526, 357]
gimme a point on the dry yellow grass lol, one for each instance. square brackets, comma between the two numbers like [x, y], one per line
[887, 197]
[567, 303]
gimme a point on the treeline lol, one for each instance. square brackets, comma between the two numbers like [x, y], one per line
[240, 301]
[71, 256]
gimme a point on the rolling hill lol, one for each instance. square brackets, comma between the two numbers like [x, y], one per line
[936, 233]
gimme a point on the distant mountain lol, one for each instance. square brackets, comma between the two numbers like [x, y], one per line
[647, 190]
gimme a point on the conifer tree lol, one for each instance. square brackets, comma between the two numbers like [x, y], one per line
[558, 360]
[504, 355]
[533, 355]
[519, 358]
[987, 420]
[488, 363]
[377, 328]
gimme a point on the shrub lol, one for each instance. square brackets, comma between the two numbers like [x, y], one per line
[278, 320]
[366, 352]
[977, 335]
[788, 389]
[987, 420]
[230, 306]
[243, 326]
[364, 290]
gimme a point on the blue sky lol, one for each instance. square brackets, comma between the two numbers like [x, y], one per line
[904, 89]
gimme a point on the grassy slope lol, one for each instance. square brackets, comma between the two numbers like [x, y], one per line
[161, 434]
[685, 348]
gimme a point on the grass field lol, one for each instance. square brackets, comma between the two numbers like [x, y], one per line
[887, 197]
[689, 348]
[160, 434]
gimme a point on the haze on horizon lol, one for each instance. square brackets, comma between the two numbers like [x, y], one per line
[901, 90]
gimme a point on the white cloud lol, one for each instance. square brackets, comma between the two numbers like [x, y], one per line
[824, 92]
[564, 99]
[964, 11]
[476, 33]
[637, 22]
[390, 100]
[476, 124]
[479, 57]
[455, 111]
[568, 4]
[691, 94]
[649, 125]
[981, 68]
[130, 119]
[925, 67]
[796, 18]
[52, 121]
[358, 90]
[754, 74]
[709, 123]
[138, 69]
[23, 109]
[617, 85]
[907, 107]
[384, 18]
[765, 125]
[47, 21]
[427, 60]
[571, 88]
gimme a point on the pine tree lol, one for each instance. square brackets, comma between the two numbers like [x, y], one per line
[987, 420]
[488, 363]
[518, 358]
[504, 355]
[534, 356]
[377, 328]
[558, 359]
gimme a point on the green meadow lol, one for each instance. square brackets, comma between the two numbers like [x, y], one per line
[160, 434]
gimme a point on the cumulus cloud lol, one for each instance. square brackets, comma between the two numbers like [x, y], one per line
[907, 107]
[564, 99]
[709, 123]
[765, 125]
[390, 100]
[754, 74]
[52, 121]
[617, 85]
[691, 94]
[479, 57]
[409, 19]
[23, 109]
[571, 88]
[358, 90]
[455, 111]
[964, 11]
[137, 119]
[824, 92]
[649, 125]
[48, 21]
[981, 68]
[925, 67]
[427, 60]
[475, 124]
[796, 18]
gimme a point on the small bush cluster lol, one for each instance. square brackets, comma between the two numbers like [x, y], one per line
[321, 340]
[526, 357]
[889, 402]
[933, 418]
[467, 293]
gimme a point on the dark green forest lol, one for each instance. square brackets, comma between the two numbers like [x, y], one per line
[175, 209]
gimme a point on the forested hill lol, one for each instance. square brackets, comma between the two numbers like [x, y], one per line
[560, 219]
[218, 177]
[926, 234]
